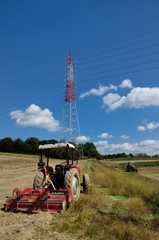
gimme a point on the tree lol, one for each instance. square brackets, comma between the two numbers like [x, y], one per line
[156, 156]
[100, 157]
[32, 145]
[131, 155]
[90, 150]
[141, 155]
[6, 145]
[18, 146]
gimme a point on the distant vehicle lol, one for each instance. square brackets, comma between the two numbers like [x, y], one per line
[131, 167]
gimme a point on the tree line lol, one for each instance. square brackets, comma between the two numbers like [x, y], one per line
[30, 146]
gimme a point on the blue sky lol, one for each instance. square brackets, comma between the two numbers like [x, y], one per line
[116, 48]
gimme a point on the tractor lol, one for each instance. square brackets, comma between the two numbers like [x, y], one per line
[53, 189]
[131, 167]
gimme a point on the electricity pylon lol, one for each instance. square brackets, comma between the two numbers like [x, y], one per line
[70, 130]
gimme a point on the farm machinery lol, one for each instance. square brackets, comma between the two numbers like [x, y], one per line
[53, 189]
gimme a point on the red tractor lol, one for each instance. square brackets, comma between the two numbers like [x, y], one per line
[53, 189]
[131, 167]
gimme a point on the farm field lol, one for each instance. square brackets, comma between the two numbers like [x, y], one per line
[93, 215]
[148, 172]
[16, 171]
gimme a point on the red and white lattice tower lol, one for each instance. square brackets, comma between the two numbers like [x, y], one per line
[70, 130]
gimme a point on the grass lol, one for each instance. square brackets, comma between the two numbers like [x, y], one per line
[18, 155]
[128, 159]
[98, 217]
[140, 164]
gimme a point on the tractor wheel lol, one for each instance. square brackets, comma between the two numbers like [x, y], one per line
[86, 183]
[72, 181]
[38, 180]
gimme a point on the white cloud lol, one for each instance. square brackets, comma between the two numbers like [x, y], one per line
[150, 147]
[141, 128]
[36, 117]
[102, 147]
[82, 139]
[152, 125]
[124, 137]
[98, 92]
[110, 99]
[105, 135]
[137, 98]
[149, 126]
[126, 83]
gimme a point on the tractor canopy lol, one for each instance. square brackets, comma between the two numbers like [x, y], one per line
[58, 146]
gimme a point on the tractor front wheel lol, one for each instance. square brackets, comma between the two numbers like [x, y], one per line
[38, 181]
[72, 181]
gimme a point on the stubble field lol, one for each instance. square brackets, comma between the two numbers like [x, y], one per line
[19, 171]
[16, 171]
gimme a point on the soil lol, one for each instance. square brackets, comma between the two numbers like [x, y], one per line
[150, 172]
[19, 172]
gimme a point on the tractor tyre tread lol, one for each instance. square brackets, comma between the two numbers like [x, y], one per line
[38, 180]
[69, 177]
[86, 183]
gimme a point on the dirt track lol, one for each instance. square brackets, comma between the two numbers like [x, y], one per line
[19, 172]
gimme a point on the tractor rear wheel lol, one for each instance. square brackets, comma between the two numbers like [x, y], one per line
[86, 183]
[72, 181]
[38, 181]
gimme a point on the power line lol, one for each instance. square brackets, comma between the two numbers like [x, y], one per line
[37, 87]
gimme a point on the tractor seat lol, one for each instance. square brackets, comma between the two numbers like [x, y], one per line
[59, 169]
